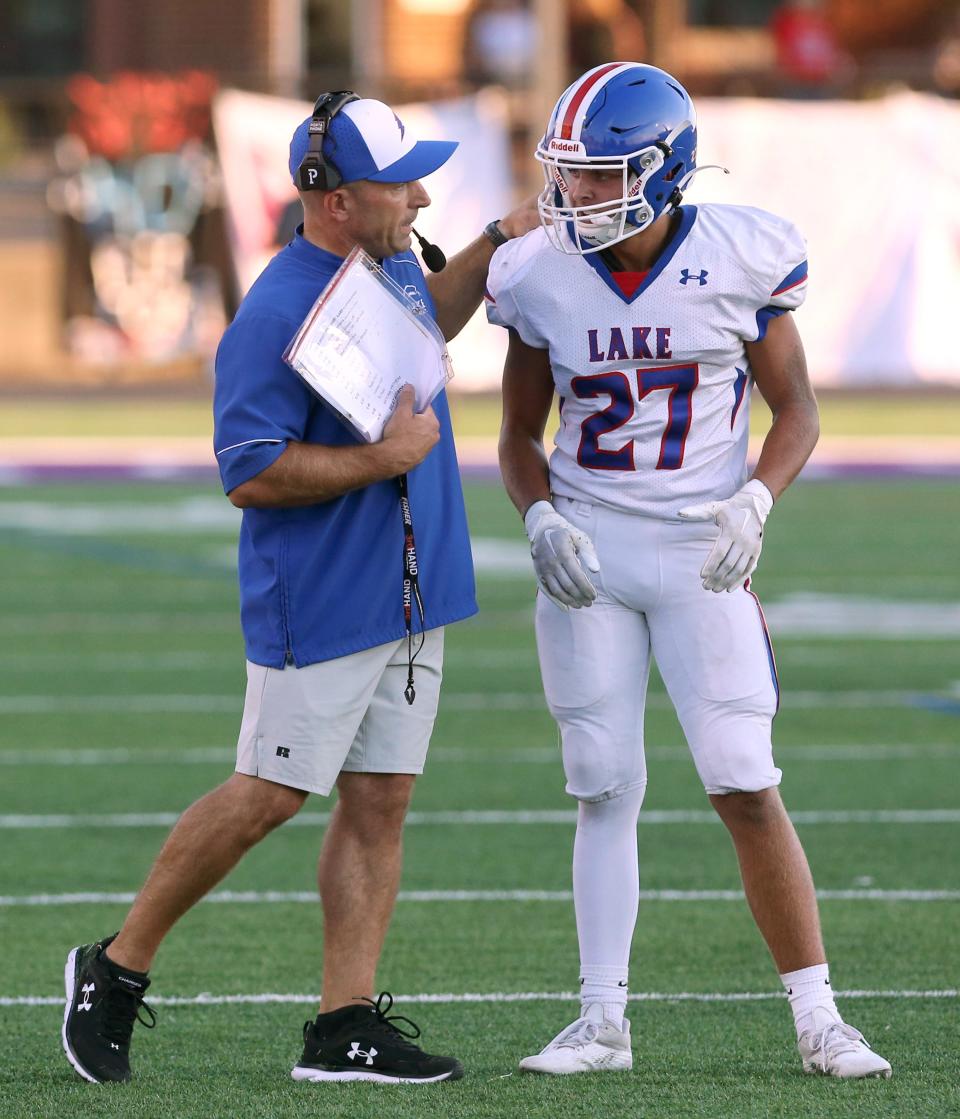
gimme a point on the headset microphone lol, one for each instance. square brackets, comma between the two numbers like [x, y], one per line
[432, 255]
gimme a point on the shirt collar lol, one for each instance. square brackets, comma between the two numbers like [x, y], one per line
[305, 252]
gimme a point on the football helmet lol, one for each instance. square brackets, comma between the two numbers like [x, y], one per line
[620, 117]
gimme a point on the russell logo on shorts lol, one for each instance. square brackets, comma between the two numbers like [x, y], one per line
[283, 751]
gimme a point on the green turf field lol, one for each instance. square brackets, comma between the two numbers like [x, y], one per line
[899, 414]
[120, 694]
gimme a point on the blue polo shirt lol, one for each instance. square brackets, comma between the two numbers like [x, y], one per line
[322, 581]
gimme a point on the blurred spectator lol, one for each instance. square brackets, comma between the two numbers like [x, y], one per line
[946, 62]
[601, 31]
[500, 42]
[500, 39]
[809, 58]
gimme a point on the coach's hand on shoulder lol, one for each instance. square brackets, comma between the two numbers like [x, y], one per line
[408, 436]
[521, 219]
[736, 552]
[560, 553]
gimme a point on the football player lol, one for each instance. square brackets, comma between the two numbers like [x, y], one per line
[652, 321]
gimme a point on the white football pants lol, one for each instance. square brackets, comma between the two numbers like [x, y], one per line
[712, 651]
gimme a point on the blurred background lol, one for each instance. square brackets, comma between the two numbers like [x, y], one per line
[143, 186]
[143, 183]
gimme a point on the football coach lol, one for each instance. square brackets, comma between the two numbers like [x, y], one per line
[332, 531]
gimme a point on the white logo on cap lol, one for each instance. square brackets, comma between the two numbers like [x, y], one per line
[311, 175]
[378, 127]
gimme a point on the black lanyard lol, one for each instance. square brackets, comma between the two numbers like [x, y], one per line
[411, 587]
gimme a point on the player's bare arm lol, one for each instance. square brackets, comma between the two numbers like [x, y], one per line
[307, 473]
[562, 554]
[527, 399]
[780, 371]
[458, 289]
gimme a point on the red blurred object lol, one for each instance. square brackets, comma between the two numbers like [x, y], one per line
[806, 44]
[140, 114]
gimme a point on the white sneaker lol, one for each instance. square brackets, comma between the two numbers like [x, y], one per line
[590, 1044]
[832, 1048]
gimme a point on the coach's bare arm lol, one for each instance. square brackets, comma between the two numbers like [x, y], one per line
[308, 473]
[458, 289]
[527, 399]
[780, 371]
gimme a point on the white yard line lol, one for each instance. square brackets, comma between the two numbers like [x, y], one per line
[815, 752]
[502, 755]
[152, 703]
[496, 817]
[176, 660]
[494, 997]
[137, 704]
[86, 622]
[114, 756]
[526, 701]
[825, 652]
[306, 897]
[112, 663]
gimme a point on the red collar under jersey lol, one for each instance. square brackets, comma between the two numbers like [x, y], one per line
[628, 282]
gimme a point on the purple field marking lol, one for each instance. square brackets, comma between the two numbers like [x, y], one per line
[12, 475]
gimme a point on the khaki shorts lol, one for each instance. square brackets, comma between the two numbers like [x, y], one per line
[302, 727]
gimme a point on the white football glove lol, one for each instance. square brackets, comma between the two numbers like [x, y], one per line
[737, 549]
[560, 553]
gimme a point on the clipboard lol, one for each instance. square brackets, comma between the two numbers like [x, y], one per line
[362, 341]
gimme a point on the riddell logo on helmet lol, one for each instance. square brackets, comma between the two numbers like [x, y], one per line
[573, 146]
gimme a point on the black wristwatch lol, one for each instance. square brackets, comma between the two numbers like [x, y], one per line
[494, 234]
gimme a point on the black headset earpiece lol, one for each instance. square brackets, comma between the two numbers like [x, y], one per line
[315, 172]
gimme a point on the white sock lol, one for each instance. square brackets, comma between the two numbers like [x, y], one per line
[606, 895]
[808, 989]
[604, 987]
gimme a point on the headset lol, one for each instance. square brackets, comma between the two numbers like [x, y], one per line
[315, 171]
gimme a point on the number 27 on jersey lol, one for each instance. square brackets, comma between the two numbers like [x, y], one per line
[626, 391]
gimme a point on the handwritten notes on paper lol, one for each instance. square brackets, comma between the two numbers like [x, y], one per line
[363, 340]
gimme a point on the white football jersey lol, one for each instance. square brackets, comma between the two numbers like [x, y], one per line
[654, 389]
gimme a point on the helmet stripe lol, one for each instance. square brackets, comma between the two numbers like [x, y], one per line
[573, 113]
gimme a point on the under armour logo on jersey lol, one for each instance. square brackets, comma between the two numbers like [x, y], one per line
[355, 1051]
[86, 989]
[686, 275]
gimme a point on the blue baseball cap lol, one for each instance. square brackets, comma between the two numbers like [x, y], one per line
[367, 140]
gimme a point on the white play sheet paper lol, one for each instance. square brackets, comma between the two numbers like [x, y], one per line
[363, 340]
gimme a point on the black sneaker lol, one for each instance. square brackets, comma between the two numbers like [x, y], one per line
[362, 1043]
[103, 1002]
